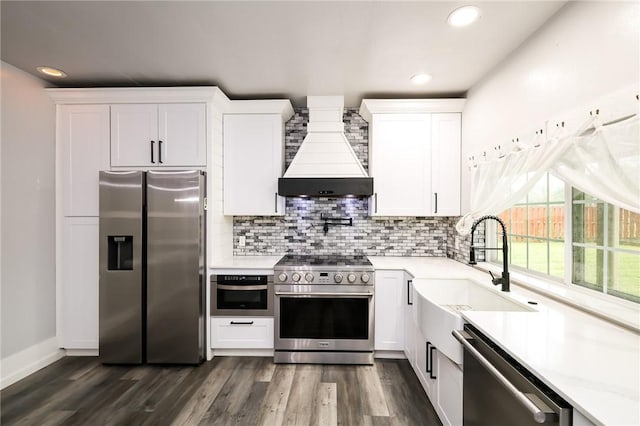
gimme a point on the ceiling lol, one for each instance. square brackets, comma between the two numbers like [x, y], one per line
[268, 49]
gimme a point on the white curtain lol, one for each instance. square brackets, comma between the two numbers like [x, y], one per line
[601, 160]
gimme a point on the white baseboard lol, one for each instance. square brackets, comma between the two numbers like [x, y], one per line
[389, 354]
[243, 352]
[19, 365]
[81, 352]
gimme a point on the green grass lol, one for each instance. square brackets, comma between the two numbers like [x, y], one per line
[624, 275]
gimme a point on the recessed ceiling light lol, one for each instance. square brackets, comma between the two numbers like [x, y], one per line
[463, 16]
[52, 72]
[420, 78]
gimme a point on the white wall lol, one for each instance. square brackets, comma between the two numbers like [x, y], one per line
[28, 213]
[584, 52]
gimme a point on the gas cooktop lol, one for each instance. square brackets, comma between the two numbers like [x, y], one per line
[334, 261]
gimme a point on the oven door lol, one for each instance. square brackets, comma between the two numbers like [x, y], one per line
[248, 296]
[324, 318]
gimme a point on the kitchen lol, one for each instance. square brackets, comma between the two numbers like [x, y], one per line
[558, 71]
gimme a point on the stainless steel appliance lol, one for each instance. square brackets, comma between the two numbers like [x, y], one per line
[152, 267]
[497, 390]
[244, 295]
[324, 310]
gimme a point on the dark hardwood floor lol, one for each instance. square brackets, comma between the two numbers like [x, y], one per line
[224, 391]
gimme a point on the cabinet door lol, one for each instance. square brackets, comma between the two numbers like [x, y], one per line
[241, 333]
[389, 310]
[448, 402]
[182, 135]
[401, 164]
[84, 149]
[446, 164]
[80, 283]
[253, 162]
[409, 327]
[134, 135]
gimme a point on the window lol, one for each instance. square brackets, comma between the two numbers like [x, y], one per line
[604, 246]
[535, 229]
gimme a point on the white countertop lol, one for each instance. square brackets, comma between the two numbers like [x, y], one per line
[591, 363]
[259, 265]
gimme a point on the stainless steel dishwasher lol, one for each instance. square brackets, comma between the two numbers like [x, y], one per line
[499, 391]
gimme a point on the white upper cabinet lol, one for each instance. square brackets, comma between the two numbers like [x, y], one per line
[83, 135]
[445, 163]
[253, 134]
[158, 135]
[414, 156]
[400, 152]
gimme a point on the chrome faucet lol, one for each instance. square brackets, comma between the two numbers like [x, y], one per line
[504, 279]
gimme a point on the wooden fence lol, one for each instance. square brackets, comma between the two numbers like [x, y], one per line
[537, 224]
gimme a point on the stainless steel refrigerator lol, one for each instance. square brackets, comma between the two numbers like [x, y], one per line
[152, 267]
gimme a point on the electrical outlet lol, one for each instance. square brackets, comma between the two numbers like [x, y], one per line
[242, 241]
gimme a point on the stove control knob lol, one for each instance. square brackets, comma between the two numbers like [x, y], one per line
[337, 278]
[308, 276]
[295, 277]
[365, 278]
[282, 276]
[351, 278]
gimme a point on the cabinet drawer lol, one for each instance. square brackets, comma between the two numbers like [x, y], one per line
[241, 333]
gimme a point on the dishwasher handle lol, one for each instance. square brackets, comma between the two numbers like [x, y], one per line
[539, 410]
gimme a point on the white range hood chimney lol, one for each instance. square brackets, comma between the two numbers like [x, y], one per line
[325, 164]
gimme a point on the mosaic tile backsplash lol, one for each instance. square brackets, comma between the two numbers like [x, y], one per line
[301, 231]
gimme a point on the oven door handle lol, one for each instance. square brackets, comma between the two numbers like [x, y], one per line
[241, 287]
[293, 293]
[539, 410]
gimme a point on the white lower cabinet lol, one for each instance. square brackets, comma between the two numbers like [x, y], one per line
[448, 389]
[440, 377]
[79, 298]
[390, 298]
[241, 333]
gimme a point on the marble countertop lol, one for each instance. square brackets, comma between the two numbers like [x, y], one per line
[591, 363]
[259, 265]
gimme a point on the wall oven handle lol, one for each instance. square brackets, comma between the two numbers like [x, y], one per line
[539, 410]
[293, 293]
[241, 322]
[241, 287]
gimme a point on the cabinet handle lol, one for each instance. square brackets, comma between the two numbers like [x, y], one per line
[375, 196]
[428, 352]
[241, 322]
[431, 372]
[160, 152]
[152, 148]
[275, 197]
[436, 197]
[409, 301]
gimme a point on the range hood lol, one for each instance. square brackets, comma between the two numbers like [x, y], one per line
[325, 164]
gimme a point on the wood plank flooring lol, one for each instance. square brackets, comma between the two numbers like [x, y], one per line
[224, 391]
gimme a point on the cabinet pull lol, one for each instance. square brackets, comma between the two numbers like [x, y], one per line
[375, 196]
[241, 322]
[409, 301]
[428, 364]
[431, 372]
[436, 197]
[152, 148]
[275, 197]
[160, 152]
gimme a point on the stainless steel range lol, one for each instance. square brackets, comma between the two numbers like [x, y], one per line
[324, 309]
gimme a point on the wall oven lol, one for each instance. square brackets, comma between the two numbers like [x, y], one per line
[242, 295]
[498, 391]
[324, 313]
